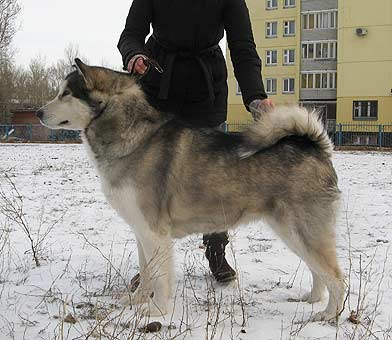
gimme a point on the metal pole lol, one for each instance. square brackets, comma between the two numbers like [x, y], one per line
[30, 132]
[340, 135]
[380, 134]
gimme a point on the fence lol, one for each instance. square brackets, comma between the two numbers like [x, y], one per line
[36, 133]
[344, 134]
[365, 134]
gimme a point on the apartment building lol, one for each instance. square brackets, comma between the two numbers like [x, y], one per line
[319, 49]
[364, 67]
[329, 54]
[276, 30]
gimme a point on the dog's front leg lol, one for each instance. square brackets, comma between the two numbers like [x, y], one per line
[155, 255]
[144, 288]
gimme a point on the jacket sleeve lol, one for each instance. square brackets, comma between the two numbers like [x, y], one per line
[243, 54]
[137, 27]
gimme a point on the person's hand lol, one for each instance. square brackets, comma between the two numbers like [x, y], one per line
[137, 65]
[258, 106]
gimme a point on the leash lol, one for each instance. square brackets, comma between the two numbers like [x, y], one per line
[148, 62]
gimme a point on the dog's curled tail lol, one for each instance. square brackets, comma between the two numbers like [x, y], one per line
[285, 121]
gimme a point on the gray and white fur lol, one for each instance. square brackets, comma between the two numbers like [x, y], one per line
[168, 180]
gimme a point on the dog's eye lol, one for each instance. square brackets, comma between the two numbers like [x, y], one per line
[64, 94]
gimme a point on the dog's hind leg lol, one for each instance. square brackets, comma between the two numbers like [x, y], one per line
[320, 256]
[315, 245]
[326, 271]
[317, 292]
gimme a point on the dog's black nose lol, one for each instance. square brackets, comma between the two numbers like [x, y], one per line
[39, 114]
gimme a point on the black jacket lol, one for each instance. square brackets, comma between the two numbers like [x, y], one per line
[189, 31]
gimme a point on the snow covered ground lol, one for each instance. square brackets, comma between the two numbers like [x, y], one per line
[87, 254]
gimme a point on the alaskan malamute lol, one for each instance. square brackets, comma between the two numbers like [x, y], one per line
[169, 180]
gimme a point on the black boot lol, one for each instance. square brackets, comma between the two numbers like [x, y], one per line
[215, 254]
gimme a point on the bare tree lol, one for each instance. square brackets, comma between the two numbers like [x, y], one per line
[59, 70]
[9, 10]
[71, 52]
[34, 85]
[39, 84]
[6, 87]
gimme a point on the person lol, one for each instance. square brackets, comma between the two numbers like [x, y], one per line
[193, 84]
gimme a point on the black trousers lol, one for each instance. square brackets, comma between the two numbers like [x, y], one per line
[216, 242]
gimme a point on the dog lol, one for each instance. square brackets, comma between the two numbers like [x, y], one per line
[168, 180]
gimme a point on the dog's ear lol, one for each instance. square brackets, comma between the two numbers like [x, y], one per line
[86, 72]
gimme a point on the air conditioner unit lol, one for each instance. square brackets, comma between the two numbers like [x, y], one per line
[361, 31]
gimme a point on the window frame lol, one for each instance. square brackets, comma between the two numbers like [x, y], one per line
[289, 81]
[357, 104]
[273, 83]
[267, 7]
[238, 91]
[324, 80]
[286, 56]
[321, 20]
[273, 23]
[327, 49]
[269, 55]
[287, 25]
[289, 4]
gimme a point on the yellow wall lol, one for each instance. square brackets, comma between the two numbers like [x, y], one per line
[259, 16]
[345, 110]
[364, 63]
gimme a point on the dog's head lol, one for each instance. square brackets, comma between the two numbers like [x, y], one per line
[83, 96]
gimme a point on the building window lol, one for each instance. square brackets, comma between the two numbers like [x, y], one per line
[308, 21]
[288, 57]
[304, 84]
[272, 4]
[319, 80]
[319, 50]
[332, 19]
[289, 28]
[289, 3]
[238, 90]
[319, 20]
[333, 50]
[318, 54]
[288, 85]
[271, 86]
[307, 80]
[271, 57]
[272, 29]
[366, 110]
[322, 20]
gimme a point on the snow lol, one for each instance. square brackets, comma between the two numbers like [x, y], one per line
[89, 254]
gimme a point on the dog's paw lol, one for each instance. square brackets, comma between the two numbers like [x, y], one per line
[307, 297]
[125, 300]
[140, 296]
[311, 297]
[324, 316]
[150, 308]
